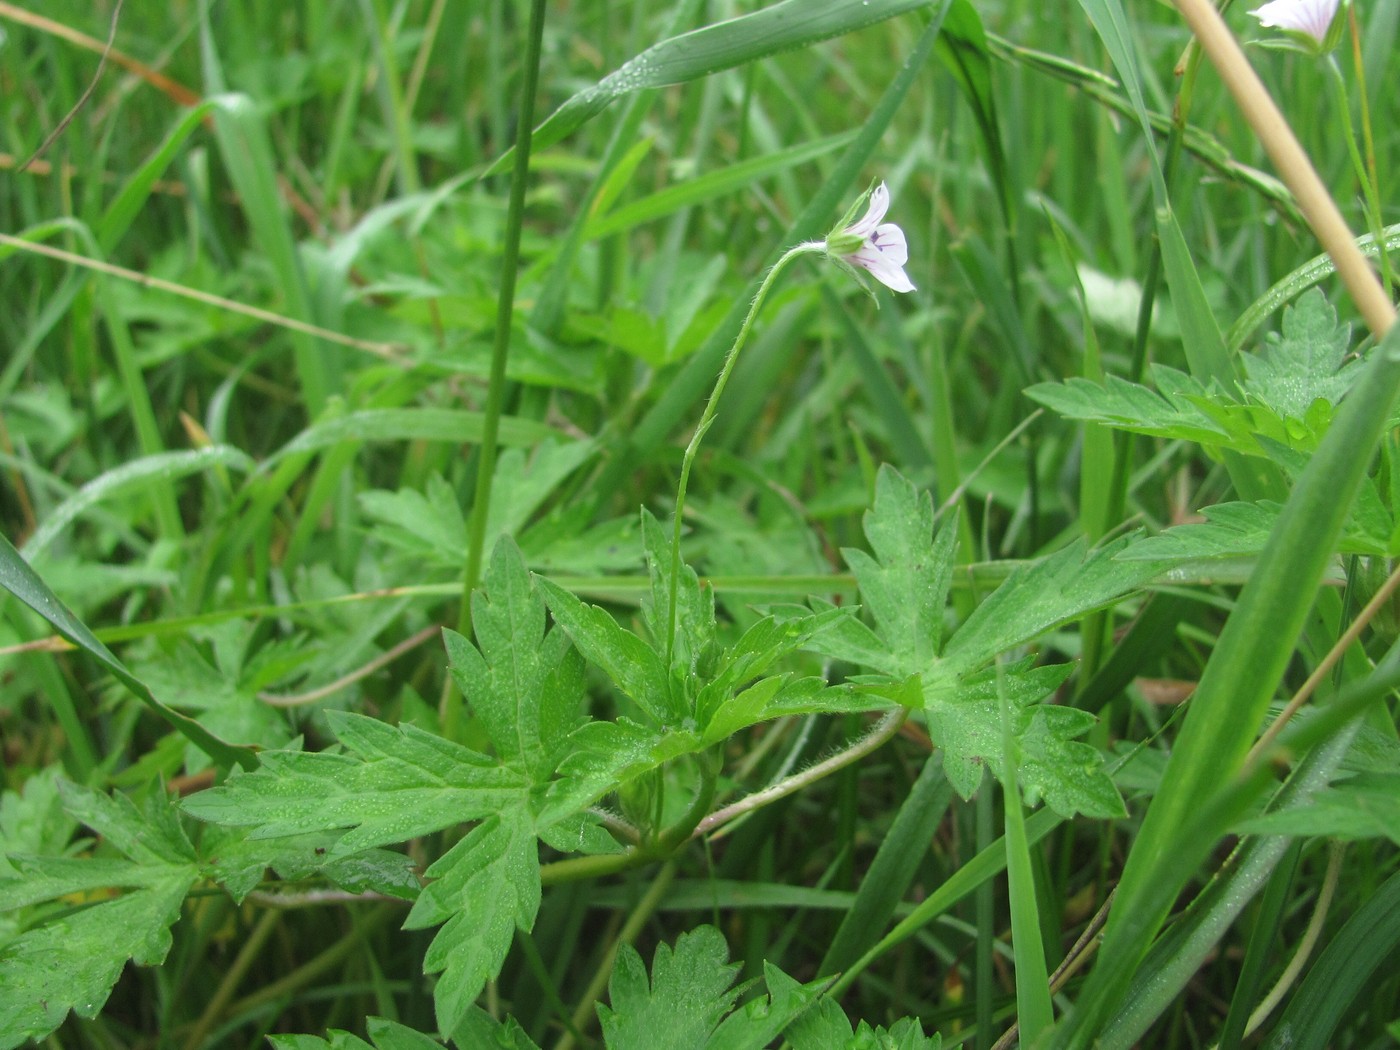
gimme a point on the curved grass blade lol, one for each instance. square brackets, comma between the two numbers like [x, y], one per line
[1239, 680]
[1367, 943]
[1178, 954]
[785, 26]
[1311, 273]
[163, 467]
[20, 579]
[893, 868]
[962, 48]
[410, 424]
[718, 183]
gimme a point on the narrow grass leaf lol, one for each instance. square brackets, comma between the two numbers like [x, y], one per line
[781, 27]
[20, 579]
[1309, 275]
[1239, 680]
[721, 182]
[409, 424]
[136, 191]
[134, 476]
[987, 864]
[962, 48]
[894, 867]
[1367, 944]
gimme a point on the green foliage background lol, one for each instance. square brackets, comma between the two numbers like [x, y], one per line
[304, 739]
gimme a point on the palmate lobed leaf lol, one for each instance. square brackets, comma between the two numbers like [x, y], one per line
[386, 1035]
[394, 784]
[1170, 410]
[1038, 597]
[70, 960]
[71, 963]
[691, 988]
[632, 665]
[425, 525]
[1305, 363]
[967, 724]
[688, 1004]
[525, 685]
[696, 632]
[825, 1027]
[239, 863]
[1241, 529]
[1288, 397]
[485, 887]
[1176, 406]
[1050, 763]
[607, 754]
[762, 645]
[905, 585]
[222, 693]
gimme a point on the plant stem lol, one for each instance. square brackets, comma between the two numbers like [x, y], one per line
[1365, 178]
[886, 728]
[708, 417]
[505, 310]
[1374, 180]
[247, 955]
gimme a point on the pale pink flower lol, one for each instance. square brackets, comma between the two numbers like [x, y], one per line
[1312, 17]
[876, 246]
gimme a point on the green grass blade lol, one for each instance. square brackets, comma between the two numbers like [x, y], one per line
[20, 579]
[241, 130]
[1034, 1012]
[893, 868]
[782, 27]
[988, 864]
[134, 194]
[410, 424]
[1369, 942]
[1266, 933]
[1239, 680]
[1311, 273]
[130, 477]
[1205, 347]
[962, 48]
[1177, 956]
[726, 180]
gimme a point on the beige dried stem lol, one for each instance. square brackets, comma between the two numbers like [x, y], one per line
[1292, 163]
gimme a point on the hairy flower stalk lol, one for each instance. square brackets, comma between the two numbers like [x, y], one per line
[869, 244]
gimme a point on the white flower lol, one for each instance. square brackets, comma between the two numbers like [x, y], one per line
[872, 245]
[1312, 18]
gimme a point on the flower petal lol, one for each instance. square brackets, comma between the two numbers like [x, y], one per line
[883, 267]
[879, 204]
[888, 240]
[1313, 17]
